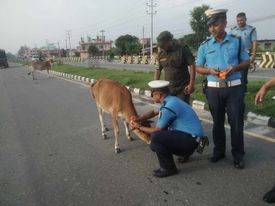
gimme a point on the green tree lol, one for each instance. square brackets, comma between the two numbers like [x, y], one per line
[191, 40]
[112, 52]
[198, 24]
[128, 44]
[93, 50]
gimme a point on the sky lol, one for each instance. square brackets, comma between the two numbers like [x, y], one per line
[35, 22]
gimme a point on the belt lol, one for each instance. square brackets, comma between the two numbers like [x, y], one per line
[224, 84]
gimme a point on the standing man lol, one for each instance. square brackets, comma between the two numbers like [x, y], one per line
[178, 129]
[174, 59]
[221, 58]
[259, 99]
[248, 35]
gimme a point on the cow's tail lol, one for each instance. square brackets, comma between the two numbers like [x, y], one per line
[91, 89]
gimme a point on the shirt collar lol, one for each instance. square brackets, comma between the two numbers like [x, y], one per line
[165, 100]
[243, 28]
[226, 38]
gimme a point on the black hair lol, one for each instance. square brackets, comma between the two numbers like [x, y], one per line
[241, 14]
[164, 90]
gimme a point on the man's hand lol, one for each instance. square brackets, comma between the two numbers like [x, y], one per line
[189, 89]
[214, 72]
[259, 99]
[252, 58]
[134, 125]
[230, 70]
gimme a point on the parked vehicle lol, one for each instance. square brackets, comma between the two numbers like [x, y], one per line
[3, 59]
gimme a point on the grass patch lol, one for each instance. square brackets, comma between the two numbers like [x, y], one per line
[126, 77]
[141, 79]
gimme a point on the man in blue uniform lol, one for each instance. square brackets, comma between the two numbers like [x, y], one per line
[178, 129]
[248, 35]
[221, 58]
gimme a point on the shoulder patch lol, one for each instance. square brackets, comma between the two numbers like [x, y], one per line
[206, 41]
[234, 36]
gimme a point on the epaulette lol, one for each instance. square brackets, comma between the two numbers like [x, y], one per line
[235, 27]
[206, 40]
[235, 36]
[252, 28]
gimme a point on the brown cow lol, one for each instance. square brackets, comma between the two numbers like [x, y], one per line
[113, 97]
[41, 65]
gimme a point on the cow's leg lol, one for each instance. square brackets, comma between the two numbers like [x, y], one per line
[127, 130]
[33, 77]
[48, 73]
[103, 128]
[115, 126]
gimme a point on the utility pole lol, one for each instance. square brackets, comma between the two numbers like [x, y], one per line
[69, 35]
[66, 44]
[59, 54]
[142, 41]
[102, 41]
[152, 12]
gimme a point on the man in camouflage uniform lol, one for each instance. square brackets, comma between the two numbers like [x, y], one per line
[174, 58]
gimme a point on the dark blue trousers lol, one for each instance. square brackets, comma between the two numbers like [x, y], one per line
[231, 101]
[169, 142]
[244, 80]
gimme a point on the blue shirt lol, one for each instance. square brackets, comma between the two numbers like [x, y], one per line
[175, 114]
[248, 34]
[213, 54]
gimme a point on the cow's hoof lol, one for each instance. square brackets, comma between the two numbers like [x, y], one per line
[117, 150]
[104, 136]
[130, 138]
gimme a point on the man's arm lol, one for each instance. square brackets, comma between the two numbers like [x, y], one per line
[191, 86]
[207, 71]
[263, 90]
[157, 74]
[135, 124]
[253, 52]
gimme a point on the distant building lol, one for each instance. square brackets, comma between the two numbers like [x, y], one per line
[266, 44]
[100, 42]
[146, 50]
[48, 51]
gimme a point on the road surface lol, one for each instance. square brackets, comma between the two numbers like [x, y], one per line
[52, 154]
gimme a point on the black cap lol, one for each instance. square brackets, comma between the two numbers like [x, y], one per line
[164, 37]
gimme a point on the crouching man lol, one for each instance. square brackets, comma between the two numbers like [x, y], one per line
[178, 129]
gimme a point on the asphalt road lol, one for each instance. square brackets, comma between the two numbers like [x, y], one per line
[52, 154]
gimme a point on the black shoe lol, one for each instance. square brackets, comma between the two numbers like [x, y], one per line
[183, 159]
[156, 170]
[239, 164]
[216, 158]
[164, 173]
[270, 196]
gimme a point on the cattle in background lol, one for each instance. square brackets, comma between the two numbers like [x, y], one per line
[114, 98]
[41, 65]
